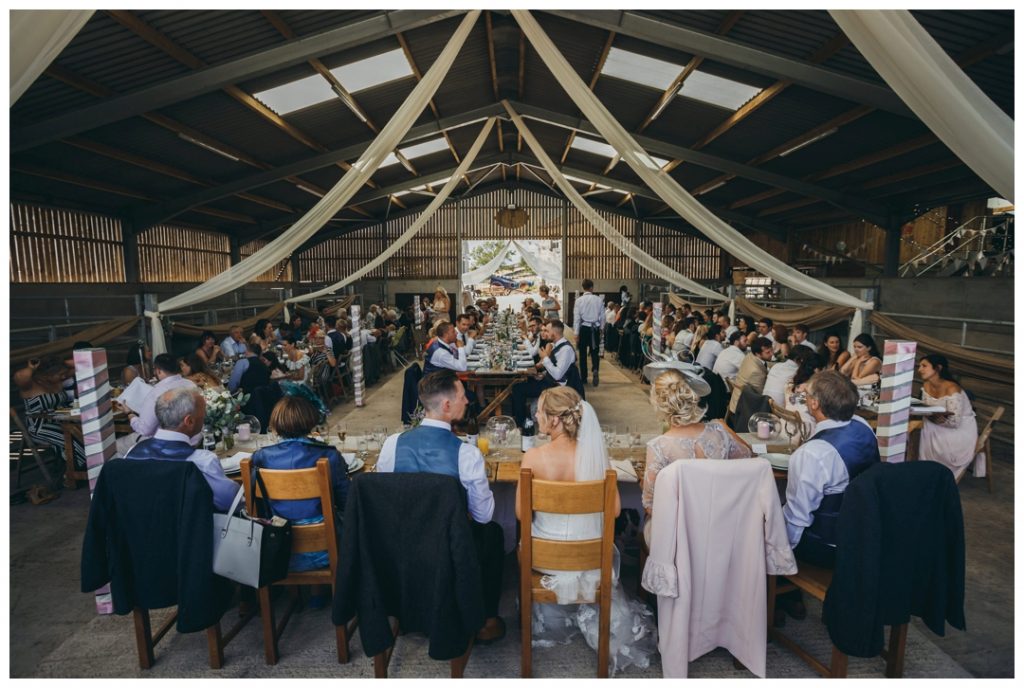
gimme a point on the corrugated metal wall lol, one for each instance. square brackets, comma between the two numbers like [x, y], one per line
[54, 245]
[168, 253]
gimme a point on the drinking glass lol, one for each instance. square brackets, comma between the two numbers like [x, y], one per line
[634, 438]
[362, 448]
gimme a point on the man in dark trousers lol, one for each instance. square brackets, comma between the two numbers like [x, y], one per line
[431, 447]
[557, 360]
[587, 323]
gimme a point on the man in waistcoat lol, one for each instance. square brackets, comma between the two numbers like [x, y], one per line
[250, 372]
[445, 351]
[558, 363]
[588, 321]
[181, 412]
[431, 447]
[842, 447]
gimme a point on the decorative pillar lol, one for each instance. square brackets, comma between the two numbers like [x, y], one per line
[97, 429]
[657, 326]
[357, 357]
[894, 399]
[603, 305]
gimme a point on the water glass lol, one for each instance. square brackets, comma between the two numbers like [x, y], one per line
[362, 447]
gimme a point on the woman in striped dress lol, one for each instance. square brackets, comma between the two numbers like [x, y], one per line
[40, 386]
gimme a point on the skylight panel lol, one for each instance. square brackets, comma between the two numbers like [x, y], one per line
[592, 146]
[640, 69]
[718, 91]
[296, 95]
[373, 71]
[418, 150]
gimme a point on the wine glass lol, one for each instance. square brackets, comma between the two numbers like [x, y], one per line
[634, 437]
[362, 448]
[609, 435]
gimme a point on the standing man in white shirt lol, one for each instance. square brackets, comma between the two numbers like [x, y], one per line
[587, 323]
[728, 362]
[432, 448]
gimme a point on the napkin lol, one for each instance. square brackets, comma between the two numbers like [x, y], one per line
[231, 463]
[624, 469]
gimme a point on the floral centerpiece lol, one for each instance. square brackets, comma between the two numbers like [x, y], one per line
[224, 411]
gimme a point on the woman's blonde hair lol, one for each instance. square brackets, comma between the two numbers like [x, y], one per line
[563, 403]
[675, 400]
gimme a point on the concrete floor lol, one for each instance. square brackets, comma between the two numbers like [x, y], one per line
[46, 606]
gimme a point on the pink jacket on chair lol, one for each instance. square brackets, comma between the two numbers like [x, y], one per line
[717, 532]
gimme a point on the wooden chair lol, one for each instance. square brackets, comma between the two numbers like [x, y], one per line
[815, 581]
[984, 444]
[145, 640]
[302, 483]
[596, 496]
[792, 421]
[26, 447]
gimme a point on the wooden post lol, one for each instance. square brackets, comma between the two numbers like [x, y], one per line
[894, 400]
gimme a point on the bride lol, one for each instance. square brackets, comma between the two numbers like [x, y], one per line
[577, 453]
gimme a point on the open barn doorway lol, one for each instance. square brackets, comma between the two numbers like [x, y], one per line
[511, 271]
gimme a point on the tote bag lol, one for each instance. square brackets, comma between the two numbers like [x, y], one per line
[251, 551]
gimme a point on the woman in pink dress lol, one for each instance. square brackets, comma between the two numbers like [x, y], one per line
[949, 437]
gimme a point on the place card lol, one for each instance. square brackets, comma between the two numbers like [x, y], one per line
[759, 448]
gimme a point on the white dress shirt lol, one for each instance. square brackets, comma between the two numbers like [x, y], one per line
[229, 347]
[729, 330]
[683, 341]
[728, 362]
[443, 358]
[566, 357]
[810, 345]
[779, 375]
[532, 348]
[588, 310]
[472, 472]
[709, 351]
[467, 340]
[815, 470]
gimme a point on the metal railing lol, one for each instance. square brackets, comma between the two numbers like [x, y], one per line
[964, 322]
[974, 242]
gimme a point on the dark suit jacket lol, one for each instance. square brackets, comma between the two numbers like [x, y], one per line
[900, 552]
[407, 551]
[150, 535]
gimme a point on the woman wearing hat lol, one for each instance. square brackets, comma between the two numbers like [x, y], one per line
[687, 437]
[440, 310]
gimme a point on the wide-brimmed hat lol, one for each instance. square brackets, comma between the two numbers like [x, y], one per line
[690, 372]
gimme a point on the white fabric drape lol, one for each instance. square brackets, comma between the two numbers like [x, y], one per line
[627, 247]
[545, 269]
[37, 37]
[664, 185]
[936, 89]
[424, 217]
[334, 200]
[485, 271]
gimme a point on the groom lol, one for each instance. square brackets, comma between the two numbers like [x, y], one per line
[558, 363]
[432, 448]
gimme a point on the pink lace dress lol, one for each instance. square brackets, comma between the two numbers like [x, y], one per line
[950, 439]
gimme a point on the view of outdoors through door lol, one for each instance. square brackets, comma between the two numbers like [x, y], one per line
[513, 280]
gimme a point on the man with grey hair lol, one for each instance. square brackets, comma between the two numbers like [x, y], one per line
[842, 447]
[180, 413]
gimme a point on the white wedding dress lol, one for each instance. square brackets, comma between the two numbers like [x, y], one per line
[634, 633]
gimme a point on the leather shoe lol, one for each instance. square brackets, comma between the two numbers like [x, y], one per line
[595, 379]
[795, 608]
[492, 632]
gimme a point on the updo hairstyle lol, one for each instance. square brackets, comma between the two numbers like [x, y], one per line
[675, 400]
[564, 403]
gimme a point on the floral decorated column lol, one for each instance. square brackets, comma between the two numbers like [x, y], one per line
[357, 358]
[894, 399]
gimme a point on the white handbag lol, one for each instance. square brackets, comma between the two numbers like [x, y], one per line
[248, 550]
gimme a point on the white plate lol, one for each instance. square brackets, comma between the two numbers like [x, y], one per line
[779, 461]
[355, 465]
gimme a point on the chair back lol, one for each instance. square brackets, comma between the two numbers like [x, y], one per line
[299, 483]
[792, 421]
[591, 497]
[983, 437]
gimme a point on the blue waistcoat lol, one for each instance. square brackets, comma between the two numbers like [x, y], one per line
[858, 448]
[426, 449]
[168, 450]
[429, 367]
[572, 377]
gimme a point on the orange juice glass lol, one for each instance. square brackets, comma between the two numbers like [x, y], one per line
[484, 445]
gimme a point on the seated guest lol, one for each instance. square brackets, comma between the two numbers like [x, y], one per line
[180, 412]
[753, 371]
[836, 355]
[864, 366]
[781, 374]
[320, 353]
[780, 341]
[765, 328]
[723, 321]
[843, 446]
[688, 436]
[70, 384]
[40, 384]
[684, 330]
[292, 419]
[233, 345]
[796, 395]
[745, 324]
[533, 340]
[250, 372]
[168, 376]
[139, 362]
[445, 351]
[296, 361]
[462, 324]
[431, 447]
[711, 347]
[337, 340]
[668, 336]
[194, 368]
[208, 349]
[264, 330]
[949, 437]
[728, 362]
[799, 337]
[558, 362]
